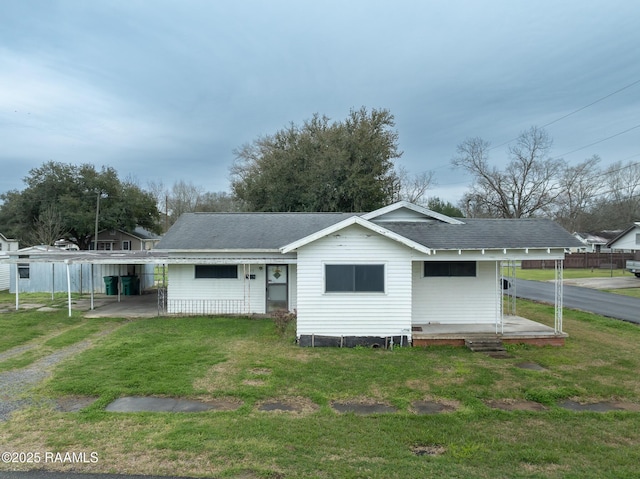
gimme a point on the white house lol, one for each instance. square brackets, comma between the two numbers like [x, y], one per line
[628, 240]
[384, 274]
[6, 245]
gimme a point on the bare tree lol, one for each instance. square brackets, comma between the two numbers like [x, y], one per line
[620, 204]
[184, 198]
[527, 186]
[579, 186]
[48, 227]
[413, 188]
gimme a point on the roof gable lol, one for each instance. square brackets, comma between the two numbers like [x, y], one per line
[624, 239]
[405, 211]
[351, 221]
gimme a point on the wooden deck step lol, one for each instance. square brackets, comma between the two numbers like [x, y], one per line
[485, 345]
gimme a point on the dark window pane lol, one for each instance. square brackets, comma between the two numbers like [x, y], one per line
[354, 278]
[216, 271]
[369, 277]
[23, 271]
[436, 268]
[339, 277]
[450, 268]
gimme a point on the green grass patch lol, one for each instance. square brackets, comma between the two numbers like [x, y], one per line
[247, 359]
[633, 292]
[578, 273]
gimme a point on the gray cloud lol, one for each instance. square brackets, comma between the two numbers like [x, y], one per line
[166, 90]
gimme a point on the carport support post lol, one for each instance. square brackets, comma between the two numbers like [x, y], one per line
[68, 285]
[17, 289]
[92, 285]
[559, 292]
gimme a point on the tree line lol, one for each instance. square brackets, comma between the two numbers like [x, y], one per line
[324, 165]
[581, 197]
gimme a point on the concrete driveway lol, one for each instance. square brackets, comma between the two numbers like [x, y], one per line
[618, 282]
[139, 306]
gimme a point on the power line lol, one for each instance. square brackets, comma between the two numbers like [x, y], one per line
[575, 111]
[599, 141]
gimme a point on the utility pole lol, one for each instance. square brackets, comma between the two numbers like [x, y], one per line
[97, 213]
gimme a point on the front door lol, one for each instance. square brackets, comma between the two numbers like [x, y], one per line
[277, 287]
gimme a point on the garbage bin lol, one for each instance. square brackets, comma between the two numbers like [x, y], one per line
[111, 285]
[130, 285]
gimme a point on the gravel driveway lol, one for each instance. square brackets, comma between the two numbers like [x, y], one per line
[16, 384]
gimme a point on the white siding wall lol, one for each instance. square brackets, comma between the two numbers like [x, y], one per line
[460, 300]
[354, 314]
[183, 285]
[629, 241]
[4, 276]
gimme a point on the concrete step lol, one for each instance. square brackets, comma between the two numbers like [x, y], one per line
[485, 345]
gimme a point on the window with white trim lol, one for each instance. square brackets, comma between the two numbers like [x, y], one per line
[354, 278]
[216, 271]
[126, 245]
[449, 268]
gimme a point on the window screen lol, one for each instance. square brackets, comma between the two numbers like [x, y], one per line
[354, 278]
[450, 268]
[216, 271]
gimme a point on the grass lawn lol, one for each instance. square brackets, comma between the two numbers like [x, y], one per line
[633, 292]
[548, 274]
[245, 360]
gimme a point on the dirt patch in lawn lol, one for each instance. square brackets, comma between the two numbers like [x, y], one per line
[428, 450]
[515, 405]
[297, 405]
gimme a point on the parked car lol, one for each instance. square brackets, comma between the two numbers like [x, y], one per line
[634, 267]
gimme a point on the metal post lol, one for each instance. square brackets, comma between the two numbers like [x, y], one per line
[92, 286]
[559, 292]
[68, 286]
[17, 287]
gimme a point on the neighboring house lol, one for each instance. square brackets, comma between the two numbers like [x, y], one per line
[6, 245]
[596, 242]
[628, 240]
[347, 275]
[119, 240]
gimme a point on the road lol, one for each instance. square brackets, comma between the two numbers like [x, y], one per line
[585, 299]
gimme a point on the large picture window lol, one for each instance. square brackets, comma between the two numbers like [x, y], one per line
[449, 268]
[225, 271]
[354, 278]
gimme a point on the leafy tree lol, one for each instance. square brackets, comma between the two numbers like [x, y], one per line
[445, 208]
[63, 198]
[527, 186]
[321, 166]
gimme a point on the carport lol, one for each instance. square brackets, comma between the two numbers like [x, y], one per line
[118, 261]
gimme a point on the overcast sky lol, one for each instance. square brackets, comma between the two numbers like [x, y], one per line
[166, 90]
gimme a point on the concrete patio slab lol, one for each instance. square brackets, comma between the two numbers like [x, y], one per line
[156, 404]
[515, 329]
[141, 306]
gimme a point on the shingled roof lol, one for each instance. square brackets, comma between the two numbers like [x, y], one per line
[271, 231]
[485, 233]
[244, 231]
